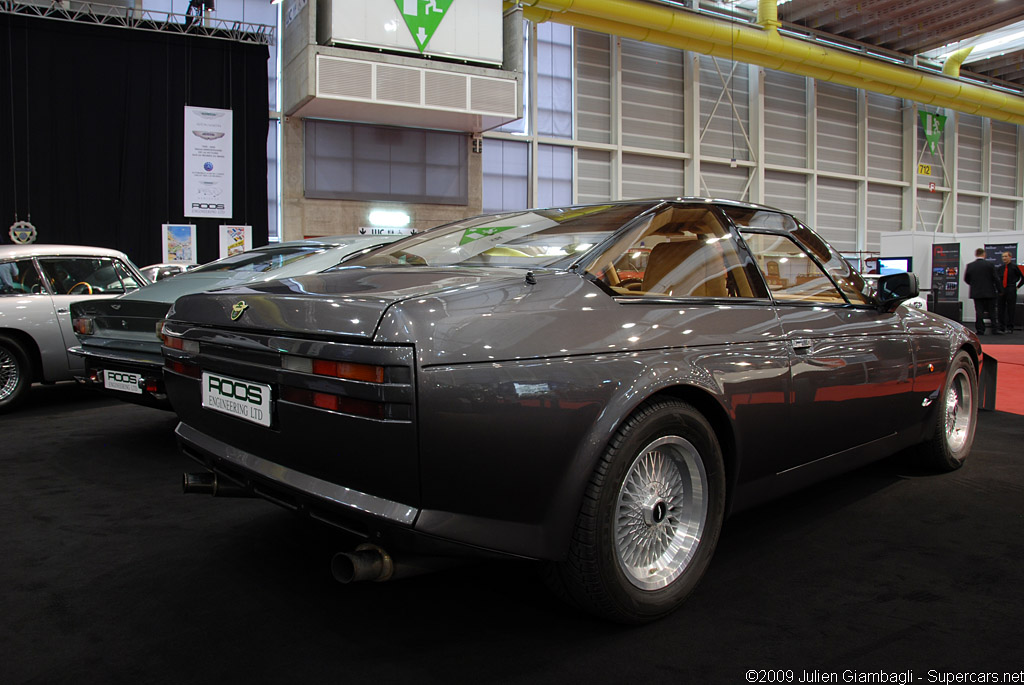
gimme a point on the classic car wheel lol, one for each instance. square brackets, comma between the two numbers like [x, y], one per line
[15, 373]
[650, 518]
[956, 417]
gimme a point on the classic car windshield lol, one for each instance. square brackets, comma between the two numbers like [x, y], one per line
[261, 260]
[533, 239]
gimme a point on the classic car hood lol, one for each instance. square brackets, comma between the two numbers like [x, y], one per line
[346, 302]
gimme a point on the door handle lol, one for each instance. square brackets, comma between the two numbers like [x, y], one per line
[801, 344]
[62, 310]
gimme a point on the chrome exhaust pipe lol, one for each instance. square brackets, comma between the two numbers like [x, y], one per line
[370, 562]
[367, 562]
[207, 483]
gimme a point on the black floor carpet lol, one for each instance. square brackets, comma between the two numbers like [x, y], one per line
[110, 575]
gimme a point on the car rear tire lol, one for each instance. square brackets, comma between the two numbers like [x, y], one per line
[650, 517]
[956, 418]
[15, 373]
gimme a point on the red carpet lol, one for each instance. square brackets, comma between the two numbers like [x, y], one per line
[1010, 379]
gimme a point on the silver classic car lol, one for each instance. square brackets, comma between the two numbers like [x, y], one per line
[38, 283]
[120, 341]
[595, 387]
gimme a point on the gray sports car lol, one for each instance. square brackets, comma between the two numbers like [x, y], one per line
[497, 386]
[119, 338]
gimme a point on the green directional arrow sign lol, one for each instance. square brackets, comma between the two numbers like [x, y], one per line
[423, 17]
[479, 232]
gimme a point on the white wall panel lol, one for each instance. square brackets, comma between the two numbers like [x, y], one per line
[554, 80]
[721, 181]
[885, 137]
[1004, 158]
[885, 212]
[785, 119]
[722, 131]
[787, 192]
[1003, 216]
[968, 214]
[969, 149]
[554, 176]
[593, 176]
[837, 128]
[505, 175]
[837, 213]
[652, 96]
[593, 87]
[651, 177]
[929, 210]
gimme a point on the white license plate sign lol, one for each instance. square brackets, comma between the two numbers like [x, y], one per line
[244, 399]
[122, 380]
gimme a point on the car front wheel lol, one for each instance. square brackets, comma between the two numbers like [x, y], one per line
[15, 373]
[956, 418]
[650, 518]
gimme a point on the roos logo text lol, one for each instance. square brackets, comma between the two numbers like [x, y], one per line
[204, 205]
[236, 390]
[119, 377]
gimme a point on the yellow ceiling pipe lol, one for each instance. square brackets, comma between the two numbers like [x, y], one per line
[755, 45]
[767, 61]
[951, 67]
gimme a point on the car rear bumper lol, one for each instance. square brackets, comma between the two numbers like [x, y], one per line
[387, 523]
[144, 367]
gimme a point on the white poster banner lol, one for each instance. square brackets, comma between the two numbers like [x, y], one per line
[179, 241]
[235, 240]
[208, 162]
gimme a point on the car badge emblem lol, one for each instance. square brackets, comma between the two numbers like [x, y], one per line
[115, 307]
[238, 310]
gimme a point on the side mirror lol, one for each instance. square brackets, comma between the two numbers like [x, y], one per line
[896, 288]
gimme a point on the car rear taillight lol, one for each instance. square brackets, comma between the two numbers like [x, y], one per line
[349, 371]
[183, 368]
[176, 342]
[331, 402]
[84, 325]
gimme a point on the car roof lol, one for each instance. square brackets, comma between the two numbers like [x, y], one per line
[45, 250]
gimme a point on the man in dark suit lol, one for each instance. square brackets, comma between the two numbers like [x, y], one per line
[981, 276]
[1010, 278]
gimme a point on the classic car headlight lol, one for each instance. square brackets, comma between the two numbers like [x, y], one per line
[84, 325]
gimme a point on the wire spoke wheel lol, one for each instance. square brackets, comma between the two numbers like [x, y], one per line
[15, 373]
[660, 513]
[9, 373]
[959, 411]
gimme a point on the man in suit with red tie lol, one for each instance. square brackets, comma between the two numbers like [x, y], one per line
[1010, 277]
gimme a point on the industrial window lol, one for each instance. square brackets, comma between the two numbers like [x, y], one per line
[375, 163]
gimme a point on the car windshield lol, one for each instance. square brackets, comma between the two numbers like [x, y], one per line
[545, 238]
[261, 261]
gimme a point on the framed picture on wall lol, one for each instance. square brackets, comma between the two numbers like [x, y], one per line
[179, 243]
[234, 240]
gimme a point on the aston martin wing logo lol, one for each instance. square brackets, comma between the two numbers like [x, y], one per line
[238, 309]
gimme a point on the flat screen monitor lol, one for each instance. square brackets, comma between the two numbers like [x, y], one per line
[895, 265]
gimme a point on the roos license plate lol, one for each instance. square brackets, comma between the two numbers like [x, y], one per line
[122, 380]
[244, 399]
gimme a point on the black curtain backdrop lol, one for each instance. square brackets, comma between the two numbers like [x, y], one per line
[91, 138]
